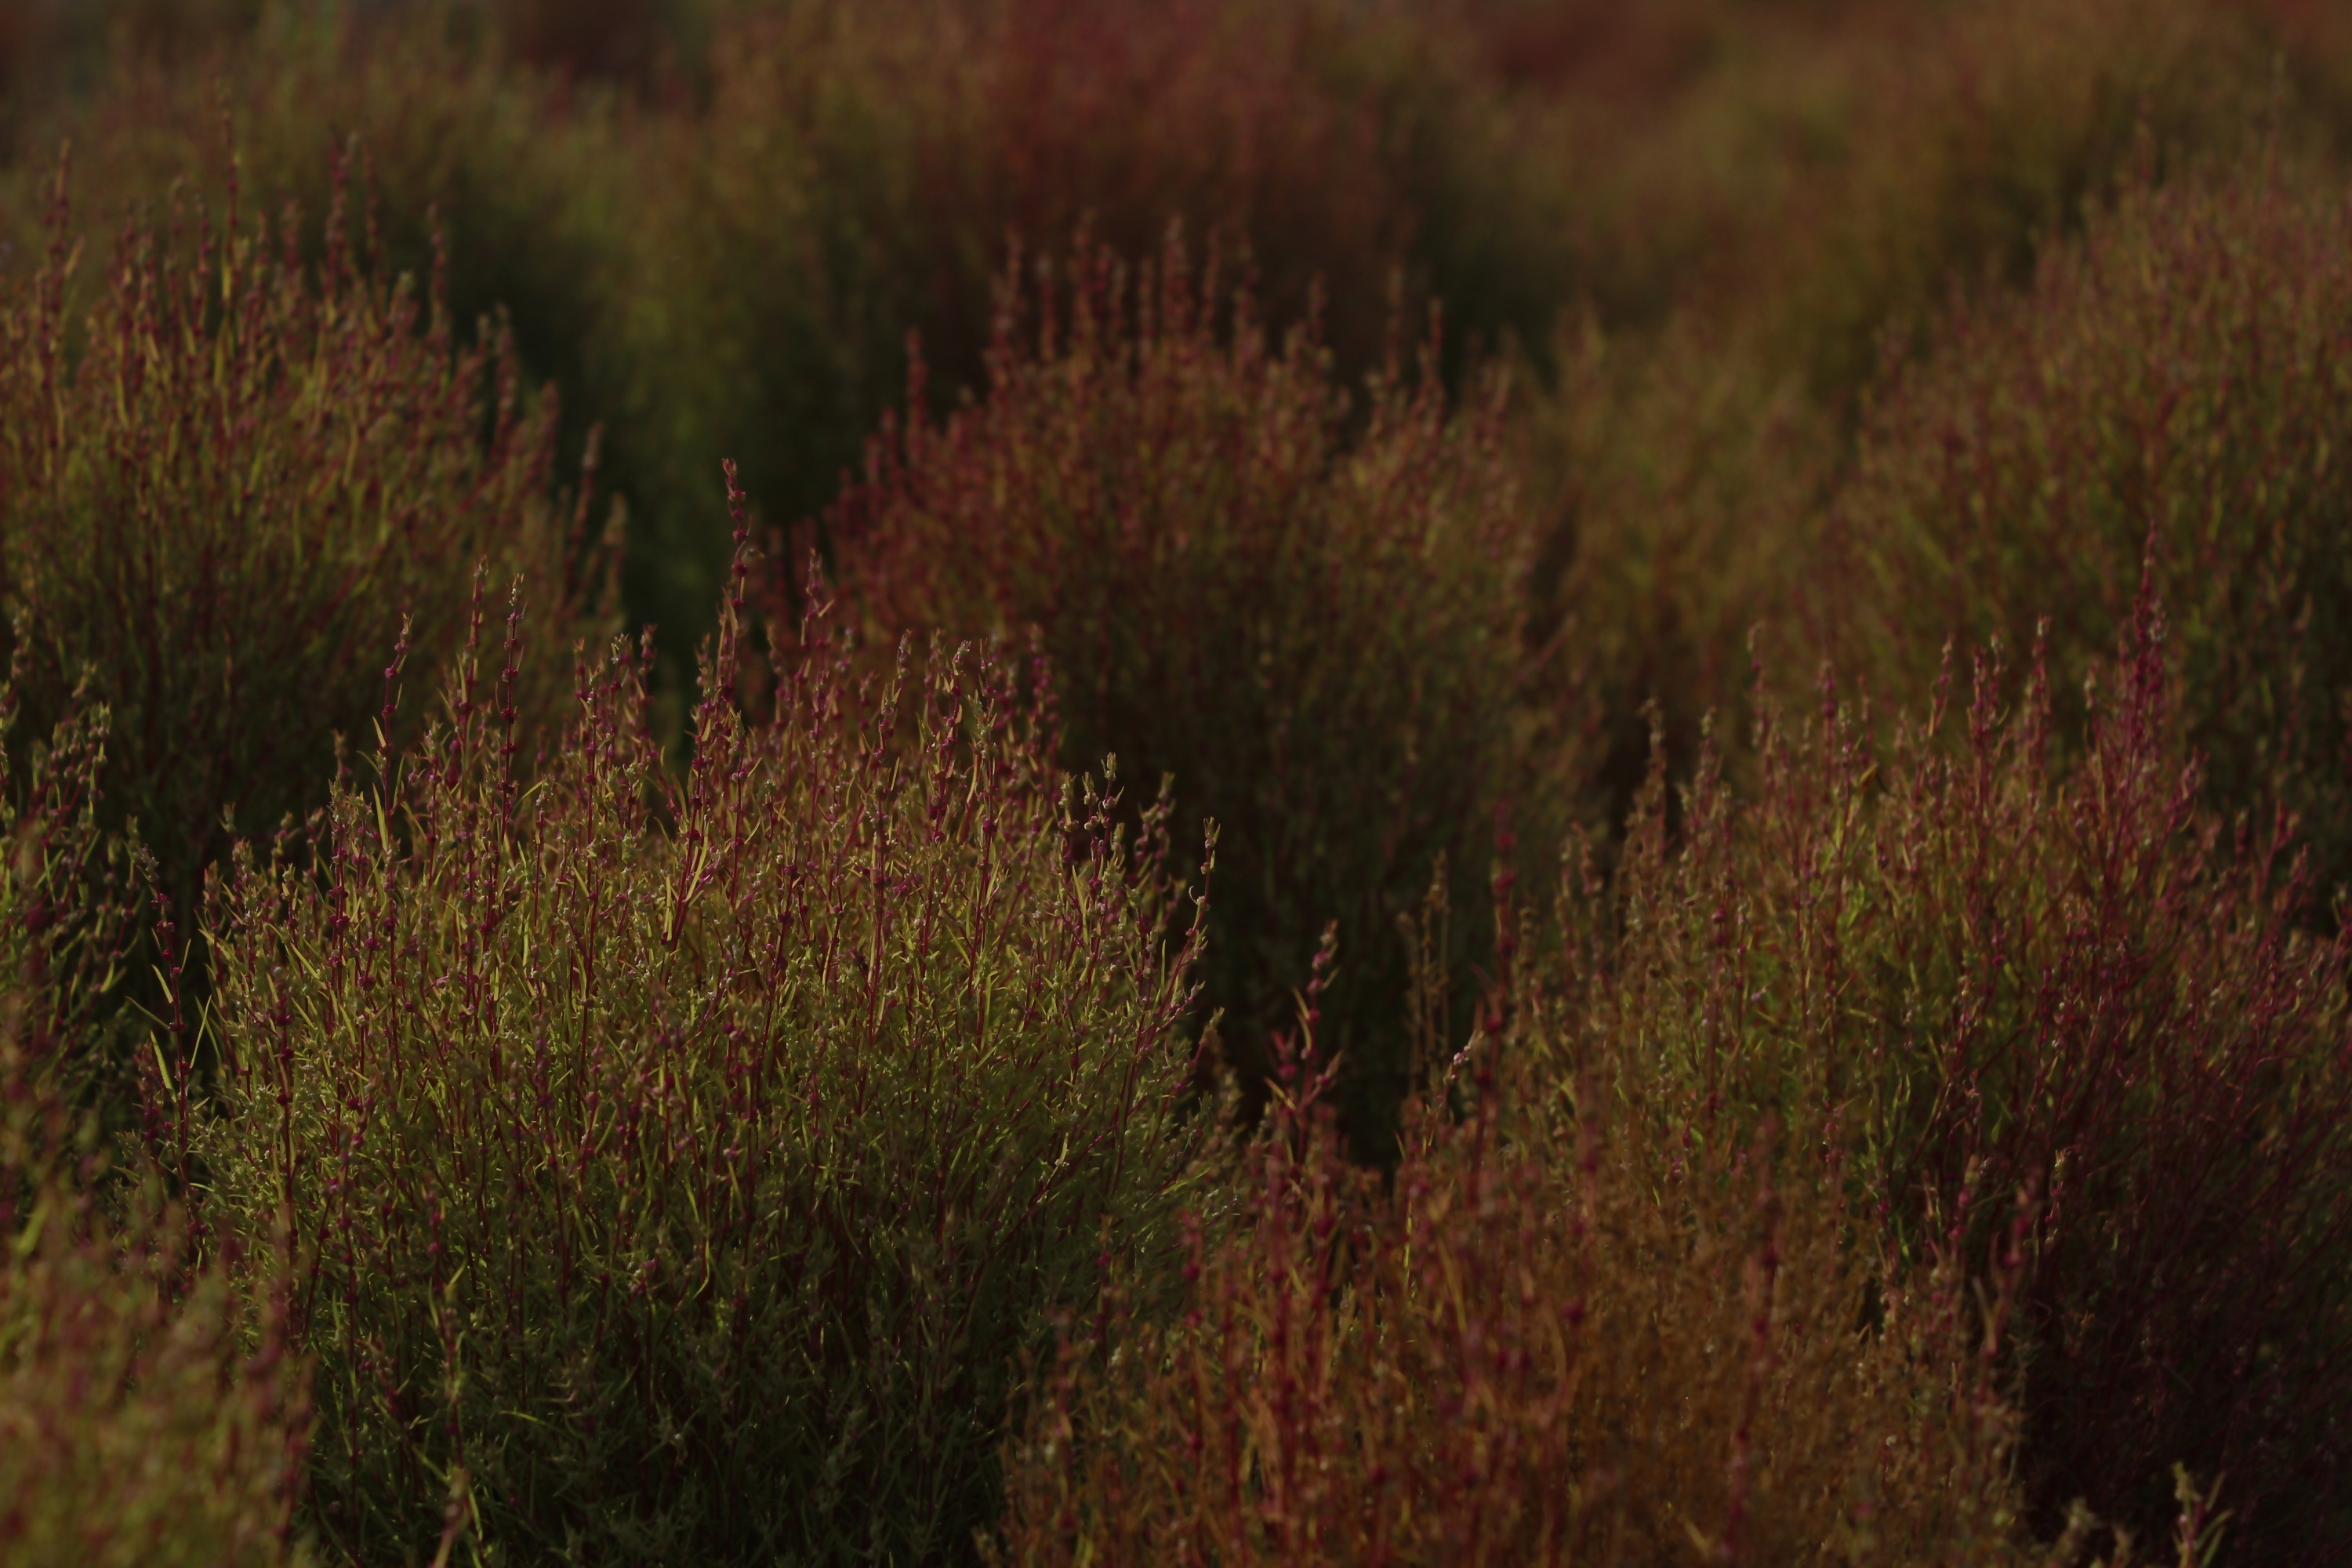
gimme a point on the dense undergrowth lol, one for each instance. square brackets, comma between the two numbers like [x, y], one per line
[1283, 603]
[678, 1165]
[2058, 988]
[1439, 780]
[229, 483]
[151, 1410]
[2170, 389]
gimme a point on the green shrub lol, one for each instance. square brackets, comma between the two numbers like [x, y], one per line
[782, 252]
[501, 182]
[2171, 398]
[684, 1163]
[1979, 137]
[2042, 1025]
[1558, 1334]
[1998, 977]
[1678, 486]
[145, 1417]
[1313, 627]
[226, 484]
[861, 172]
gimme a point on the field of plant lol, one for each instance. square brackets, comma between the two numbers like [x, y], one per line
[1108, 782]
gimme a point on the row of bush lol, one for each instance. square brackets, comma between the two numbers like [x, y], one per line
[845, 1106]
[725, 254]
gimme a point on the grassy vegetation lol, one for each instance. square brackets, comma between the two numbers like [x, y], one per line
[678, 1164]
[153, 1408]
[2162, 401]
[1015, 781]
[1291, 619]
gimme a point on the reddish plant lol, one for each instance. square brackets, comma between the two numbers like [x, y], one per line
[2172, 391]
[226, 481]
[1996, 974]
[863, 167]
[681, 1163]
[1980, 137]
[499, 183]
[145, 1415]
[1559, 1332]
[1303, 614]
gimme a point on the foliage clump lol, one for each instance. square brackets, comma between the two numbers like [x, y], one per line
[1551, 1336]
[227, 483]
[1911, 1132]
[149, 1414]
[2005, 980]
[1299, 607]
[860, 171]
[2170, 397]
[681, 1162]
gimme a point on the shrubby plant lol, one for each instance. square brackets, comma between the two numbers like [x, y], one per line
[147, 1415]
[1904, 1139]
[1928, 1125]
[1678, 486]
[681, 1163]
[2002, 979]
[227, 482]
[1302, 609]
[862, 169]
[1567, 1329]
[1987, 134]
[2168, 396]
[500, 178]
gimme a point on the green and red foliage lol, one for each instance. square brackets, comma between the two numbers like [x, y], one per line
[517, 171]
[2172, 391]
[683, 1162]
[145, 1415]
[679, 1164]
[1346, 149]
[861, 169]
[1678, 487]
[1973, 136]
[1304, 609]
[2047, 1023]
[71, 898]
[227, 483]
[1553, 1335]
[1996, 974]
[1802, 190]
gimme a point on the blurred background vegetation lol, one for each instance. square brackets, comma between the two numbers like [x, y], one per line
[715, 224]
